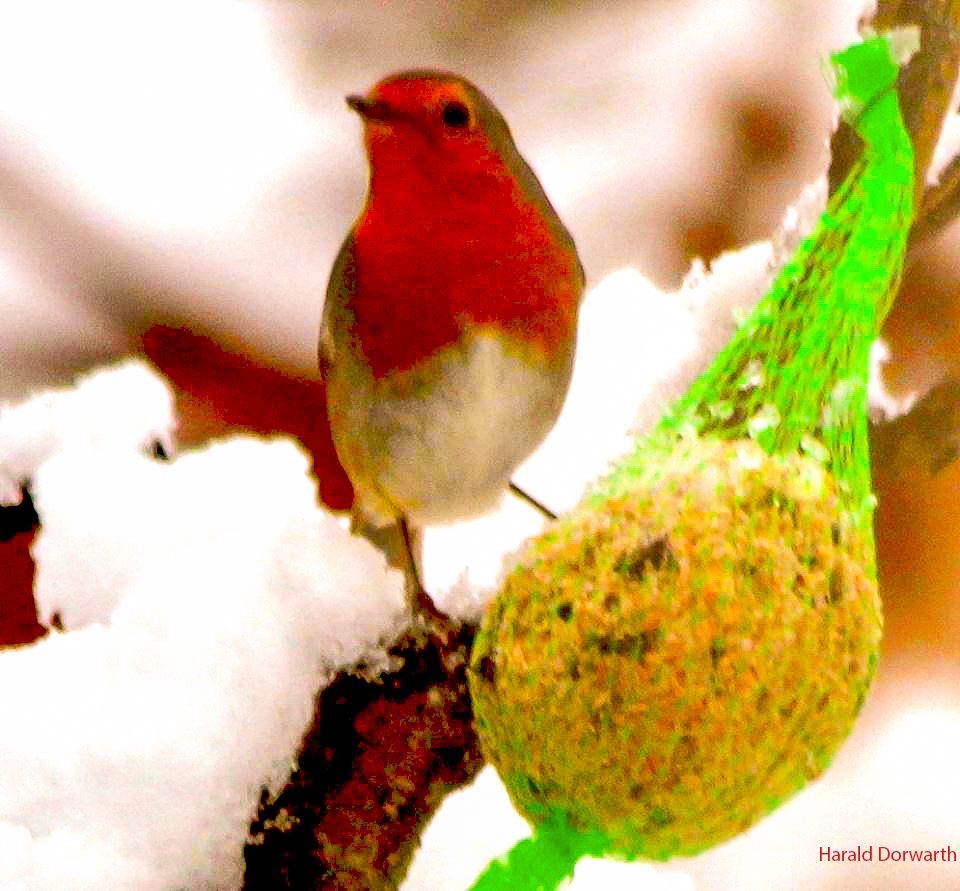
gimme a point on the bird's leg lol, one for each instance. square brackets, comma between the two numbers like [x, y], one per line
[420, 600]
[400, 543]
[536, 505]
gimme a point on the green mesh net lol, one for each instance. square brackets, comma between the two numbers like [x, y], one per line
[716, 593]
[795, 374]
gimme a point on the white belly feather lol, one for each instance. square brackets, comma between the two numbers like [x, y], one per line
[446, 450]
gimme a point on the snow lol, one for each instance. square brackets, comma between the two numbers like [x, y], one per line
[204, 602]
[127, 406]
[883, 404]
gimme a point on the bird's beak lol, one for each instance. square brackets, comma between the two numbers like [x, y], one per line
[369, 109]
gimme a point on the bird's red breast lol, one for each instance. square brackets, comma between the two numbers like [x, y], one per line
[456, 234]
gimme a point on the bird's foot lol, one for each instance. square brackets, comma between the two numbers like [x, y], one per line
[433, 620]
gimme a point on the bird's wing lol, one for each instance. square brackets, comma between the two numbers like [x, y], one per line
[339, 289]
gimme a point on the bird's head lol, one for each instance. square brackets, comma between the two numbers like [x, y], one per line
[430, 123]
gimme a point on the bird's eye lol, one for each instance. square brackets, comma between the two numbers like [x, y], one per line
[455, 114]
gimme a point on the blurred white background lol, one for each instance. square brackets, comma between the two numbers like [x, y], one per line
[196, 159]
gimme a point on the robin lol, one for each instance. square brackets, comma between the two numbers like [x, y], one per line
[449, 329]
